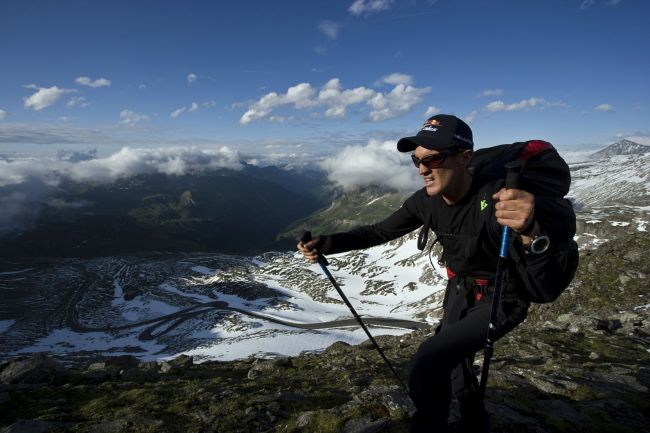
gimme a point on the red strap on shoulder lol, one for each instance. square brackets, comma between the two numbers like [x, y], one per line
[533, 147]
[450, 274]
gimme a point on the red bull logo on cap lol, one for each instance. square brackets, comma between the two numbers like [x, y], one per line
[431, 125]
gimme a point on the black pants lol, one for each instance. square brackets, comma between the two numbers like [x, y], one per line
[441, 369]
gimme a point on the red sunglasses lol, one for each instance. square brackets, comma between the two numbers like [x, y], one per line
[432, 161]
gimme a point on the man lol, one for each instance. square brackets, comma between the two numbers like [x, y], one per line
[467, 216]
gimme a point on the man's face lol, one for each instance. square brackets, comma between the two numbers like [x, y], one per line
[439, 177]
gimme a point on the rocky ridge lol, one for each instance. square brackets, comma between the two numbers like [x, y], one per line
[579, 364]
[622, 147]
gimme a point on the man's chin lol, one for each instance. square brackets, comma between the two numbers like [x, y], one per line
[432, 190]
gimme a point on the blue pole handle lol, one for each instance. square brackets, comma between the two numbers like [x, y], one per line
[505, 239]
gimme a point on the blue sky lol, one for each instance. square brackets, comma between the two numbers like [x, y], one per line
[312, 77]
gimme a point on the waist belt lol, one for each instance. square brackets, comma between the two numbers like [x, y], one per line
[482, 283]
[478, 281]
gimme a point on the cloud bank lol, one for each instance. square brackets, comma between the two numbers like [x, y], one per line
[336, 100]
[376, 164]
[126, 163]
[29, 185]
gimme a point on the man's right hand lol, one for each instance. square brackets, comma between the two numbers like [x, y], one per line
[311, 249]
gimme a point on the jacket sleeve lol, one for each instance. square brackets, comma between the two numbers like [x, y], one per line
[404, 220]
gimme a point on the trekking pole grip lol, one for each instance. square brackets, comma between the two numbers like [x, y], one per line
[514, 169]
[306, 237]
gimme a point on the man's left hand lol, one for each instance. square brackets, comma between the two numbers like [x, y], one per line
[515, 208]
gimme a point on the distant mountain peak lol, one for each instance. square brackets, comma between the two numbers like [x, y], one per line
[622, 147]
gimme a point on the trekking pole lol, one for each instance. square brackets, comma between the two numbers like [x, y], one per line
[322, 261]
[512, 179]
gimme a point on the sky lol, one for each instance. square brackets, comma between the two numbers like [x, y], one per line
[305, 79]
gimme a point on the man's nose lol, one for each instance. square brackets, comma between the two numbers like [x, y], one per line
[423, 169]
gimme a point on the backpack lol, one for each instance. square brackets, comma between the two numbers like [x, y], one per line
[545, 175]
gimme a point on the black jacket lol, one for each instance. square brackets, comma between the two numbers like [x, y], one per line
[471, 237]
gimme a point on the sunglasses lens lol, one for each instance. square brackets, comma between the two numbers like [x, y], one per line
[430, 161]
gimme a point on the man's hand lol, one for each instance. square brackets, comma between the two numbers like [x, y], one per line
[312, 248]
[515, 209]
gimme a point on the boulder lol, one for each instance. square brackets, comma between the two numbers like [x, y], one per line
[32, 369]
[182, 362]
[261, 367]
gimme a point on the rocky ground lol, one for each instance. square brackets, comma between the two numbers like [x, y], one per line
[581, 364]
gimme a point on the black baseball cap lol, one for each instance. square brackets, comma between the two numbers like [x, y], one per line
[441, 132]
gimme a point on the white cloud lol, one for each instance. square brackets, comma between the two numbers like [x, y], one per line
[191, 78]
[335, 99]
[329, 29]
[525, 104]
[194, 107]
[77, 101]
[432, 111]
[364, 7]
[604, 107]
[178, 112]
[99, 82]
[123, 164]
[470, 117]
[399, 101]
[131, 118]
[377, 163]
[171, 161]
[492, 92]
[301, 96]
[3, 114]
[397, 78]
[278, 119]
[44, 97]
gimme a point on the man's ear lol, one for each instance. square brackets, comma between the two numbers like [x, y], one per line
[467, 156]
